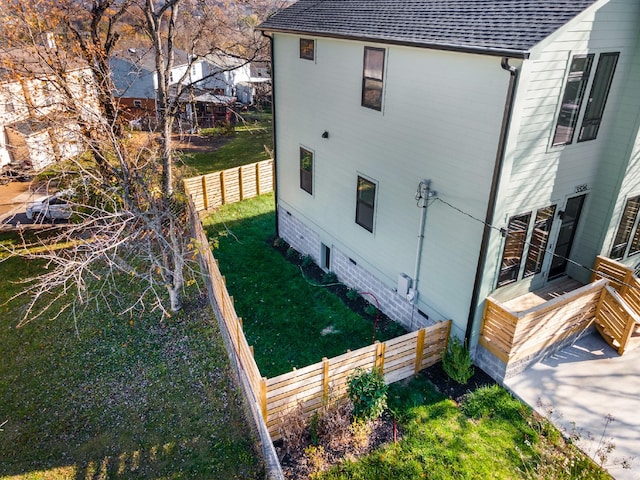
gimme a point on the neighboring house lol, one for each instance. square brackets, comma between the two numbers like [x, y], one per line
[403, 127]
[235, 77]
[40, 112]
[214, 83]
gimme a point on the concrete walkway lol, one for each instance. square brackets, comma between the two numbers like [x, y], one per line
[584, 384]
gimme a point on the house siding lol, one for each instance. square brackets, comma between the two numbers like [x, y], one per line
[440, 120]
[537, 174]
[622, 169]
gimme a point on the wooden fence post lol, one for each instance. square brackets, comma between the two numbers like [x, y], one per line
[205, 196]
[419, 350]
[325, 380]
[240, 183]
[625, 283]
[263, 398]
[223, 189]
[238, 332]
[258, 178]
[380, 349]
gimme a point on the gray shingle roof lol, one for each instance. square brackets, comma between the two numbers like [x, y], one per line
[500, 27]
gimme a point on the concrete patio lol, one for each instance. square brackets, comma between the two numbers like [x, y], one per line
[584, 383]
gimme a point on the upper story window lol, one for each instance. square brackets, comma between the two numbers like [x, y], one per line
[628, 227]
[9, 107]
[365, 203]
[598, 96]
[573, 98]
[306, 170]
[307, 48]
[372, 77]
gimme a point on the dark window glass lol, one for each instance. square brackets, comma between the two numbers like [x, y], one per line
[572, 98]
[372, 78]
[306, 170]
[539, 240]
[365, 204]
[307, 48]
[625, 228]
[598, 96]
[513, 248]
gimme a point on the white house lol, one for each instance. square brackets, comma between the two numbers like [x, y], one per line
[435, 153]
[41, 108]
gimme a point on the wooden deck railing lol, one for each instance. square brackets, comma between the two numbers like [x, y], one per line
[511, 336]
[618, 313]
[231, 185]
[611, 301]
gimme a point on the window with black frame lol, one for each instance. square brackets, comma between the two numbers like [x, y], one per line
[572, 99]
[513, 249]
[307, 49]
[306, 170]
[598, 96]
[365, 203]
[628, 225]
[539, 240]
[372, 77]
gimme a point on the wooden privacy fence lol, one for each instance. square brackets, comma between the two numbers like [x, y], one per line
[231, 185]
[611, 301]
[311, 386]
[512, 336]
[397, 358]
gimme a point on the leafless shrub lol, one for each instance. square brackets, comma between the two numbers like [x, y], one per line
[293, 429]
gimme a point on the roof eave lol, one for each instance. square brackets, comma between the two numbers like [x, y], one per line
[496, 52]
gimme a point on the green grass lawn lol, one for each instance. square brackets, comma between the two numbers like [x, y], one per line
[289, 321]
[491, 435]
[111, 396]
[247, 145]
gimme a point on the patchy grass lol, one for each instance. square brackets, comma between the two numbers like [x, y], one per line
[247, 145]
[111, 396]
[290, 321]
[498, 437]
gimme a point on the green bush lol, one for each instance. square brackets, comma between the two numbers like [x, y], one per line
[457, 362]
[292, 254]
[307, 261]
[371, 310]
[353, 294]
[493, 401]
[329, 277]
[368, 393]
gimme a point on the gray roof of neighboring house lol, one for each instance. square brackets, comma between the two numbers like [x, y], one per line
[132, 71]
[498, 27]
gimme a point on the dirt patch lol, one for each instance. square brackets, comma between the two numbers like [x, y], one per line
[199, 143]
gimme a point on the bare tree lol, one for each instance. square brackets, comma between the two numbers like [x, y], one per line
[130, 221]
